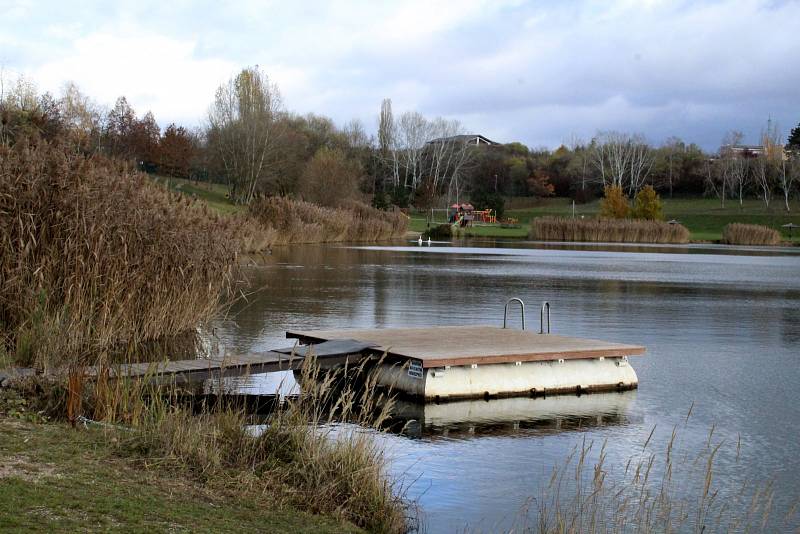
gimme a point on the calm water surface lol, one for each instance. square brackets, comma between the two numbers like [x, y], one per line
[721, 325]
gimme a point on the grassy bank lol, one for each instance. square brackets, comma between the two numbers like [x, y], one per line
[302, 457]
[95, 262]
[279, 221]
[704, 217]
[55, 478]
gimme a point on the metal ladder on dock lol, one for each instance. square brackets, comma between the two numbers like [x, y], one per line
[545, 310]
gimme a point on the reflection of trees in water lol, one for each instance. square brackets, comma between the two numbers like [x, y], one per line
[790, 322]
[312, 286]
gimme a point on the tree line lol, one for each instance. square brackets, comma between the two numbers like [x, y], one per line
[251, 142]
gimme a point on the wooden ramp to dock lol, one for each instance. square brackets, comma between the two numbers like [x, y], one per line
[206, 368]
[183, 370]
[467, 345]
[288, 359]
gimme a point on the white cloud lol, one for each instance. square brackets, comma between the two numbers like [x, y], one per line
[153, 72]
[530, 71]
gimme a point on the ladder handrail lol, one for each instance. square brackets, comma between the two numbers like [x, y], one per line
[522, 309]
[545, 304]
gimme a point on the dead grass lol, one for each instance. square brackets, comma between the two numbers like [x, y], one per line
[315, 452]
[750, 234]
[93, 256]
[607, 230]
[295, 221]
[311, 453]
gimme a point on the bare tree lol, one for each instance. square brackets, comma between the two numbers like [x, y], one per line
[789, 173]
[622, 160]
[82, 117]
[442, 150]
[768, 164]
[244, 131]
[736, 163]
[413, 134]
[762, 174]
[641, 163]
[716, 171]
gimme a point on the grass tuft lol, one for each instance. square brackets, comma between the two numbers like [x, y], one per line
[749, 234]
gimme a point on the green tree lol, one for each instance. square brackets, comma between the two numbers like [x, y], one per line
[794, 138]
[647, 205]
[489, 200]
[614, 205]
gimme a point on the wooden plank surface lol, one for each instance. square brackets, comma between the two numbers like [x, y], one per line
[466, 345]
[197, 369]
[259, 362]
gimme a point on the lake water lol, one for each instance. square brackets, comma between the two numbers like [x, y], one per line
[721, 325]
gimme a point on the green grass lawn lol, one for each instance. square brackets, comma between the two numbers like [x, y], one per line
[704, 217]
[57, 479]
[215, 195]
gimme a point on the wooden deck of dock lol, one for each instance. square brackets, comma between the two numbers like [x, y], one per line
[429, 347]
[468, 345]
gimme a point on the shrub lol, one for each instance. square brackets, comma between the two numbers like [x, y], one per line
[295, 221]
[94, 256]
[647, 205]
[614, 205]
[330, 178]
[749, 234]
[607, 230]
[489, 200]
[441, 231]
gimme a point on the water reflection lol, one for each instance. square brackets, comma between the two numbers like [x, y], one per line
[521, 416]
[722, 329]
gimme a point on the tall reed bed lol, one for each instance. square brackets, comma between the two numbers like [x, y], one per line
[93, 255]
[295, 221]
[750, 234]
[607, 230]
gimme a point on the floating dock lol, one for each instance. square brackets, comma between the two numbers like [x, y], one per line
[454, 362]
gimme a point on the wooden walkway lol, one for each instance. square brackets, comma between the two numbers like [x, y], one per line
[186, 370]
[327, 354]
[205, 368]
[467, 345]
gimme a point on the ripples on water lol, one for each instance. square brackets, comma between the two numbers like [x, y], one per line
[722, 328]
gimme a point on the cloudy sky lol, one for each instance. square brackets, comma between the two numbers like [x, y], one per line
[539, 72]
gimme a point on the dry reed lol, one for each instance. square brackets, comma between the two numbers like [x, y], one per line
[674, 490]
[93, 256]
[607, 230]
[295, 221]
[750, 234]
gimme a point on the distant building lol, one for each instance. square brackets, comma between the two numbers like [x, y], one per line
[749, 151]
[470, 139]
